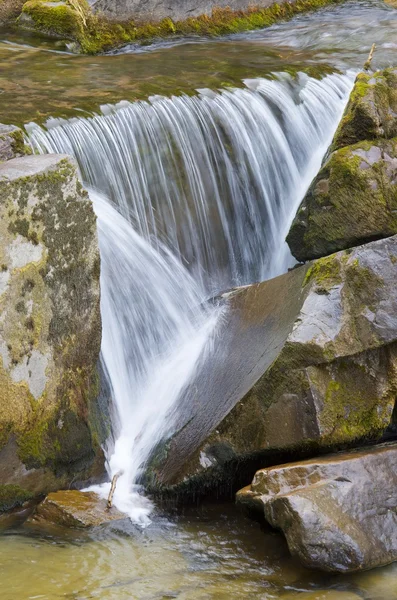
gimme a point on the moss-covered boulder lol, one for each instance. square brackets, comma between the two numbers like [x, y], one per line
[352, 200]
[12, 143]
[304, 362]
[338, 513]
[50, 325]
[63, 18]
[372, 109]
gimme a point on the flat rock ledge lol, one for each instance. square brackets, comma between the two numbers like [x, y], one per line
[338, 513]
[72, 508]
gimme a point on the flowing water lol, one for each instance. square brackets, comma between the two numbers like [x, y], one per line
[194, 193]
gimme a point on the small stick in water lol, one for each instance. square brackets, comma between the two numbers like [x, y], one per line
[368, 62]
[112, 489]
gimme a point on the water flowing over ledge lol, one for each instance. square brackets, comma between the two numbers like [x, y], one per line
[196, 195]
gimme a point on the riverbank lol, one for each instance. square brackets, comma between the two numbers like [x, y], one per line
[91, 33]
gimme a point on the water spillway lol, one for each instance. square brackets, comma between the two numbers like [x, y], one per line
[193, 195]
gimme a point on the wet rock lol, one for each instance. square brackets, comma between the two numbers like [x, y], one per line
[50, 326]
[72, 508]
[352, 200]
[12, 143]
[304, 361]
[372, 110]
[338, 513]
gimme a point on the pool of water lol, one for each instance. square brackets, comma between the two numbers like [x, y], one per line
[210, 553]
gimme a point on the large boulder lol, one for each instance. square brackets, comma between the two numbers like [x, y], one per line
[304, 362]
[50, 326]
[338, 513]
[353, 199]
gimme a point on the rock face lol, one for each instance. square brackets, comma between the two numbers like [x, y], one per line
[338, 513]
[371, 112]
[50, 325]
[72, 508]
[307, 360]
[12, 143]
[353, 199]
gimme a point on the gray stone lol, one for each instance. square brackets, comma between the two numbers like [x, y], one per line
[338, 512]
[50, 326]
[306, 360]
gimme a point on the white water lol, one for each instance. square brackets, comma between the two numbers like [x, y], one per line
[155, 329]
[205, 189]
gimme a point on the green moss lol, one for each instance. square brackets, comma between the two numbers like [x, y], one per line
[60, 19]
[325, 272]
[370, 113]
[94, 33]
[12, 496]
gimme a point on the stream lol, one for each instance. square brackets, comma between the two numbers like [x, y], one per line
[158, 131]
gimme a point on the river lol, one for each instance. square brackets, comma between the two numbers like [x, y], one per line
[209, 552]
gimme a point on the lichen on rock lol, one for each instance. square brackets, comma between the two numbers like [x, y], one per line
[50, 326]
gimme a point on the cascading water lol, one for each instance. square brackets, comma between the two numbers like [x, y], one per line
[216, 177]
[205, 189]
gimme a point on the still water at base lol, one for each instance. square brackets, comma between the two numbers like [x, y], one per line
[210, 553]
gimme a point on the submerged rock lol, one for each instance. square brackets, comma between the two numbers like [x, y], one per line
[352, 200]
[338, 512]
[301, 362]
[12, 143]
[72, 508]
[50, 326]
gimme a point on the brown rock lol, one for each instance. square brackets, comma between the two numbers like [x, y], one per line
[72, 508]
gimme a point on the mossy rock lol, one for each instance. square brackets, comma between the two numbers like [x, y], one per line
[94, 33]
[352, 200]
[50, 330]
[62, 18]
[371, 112]
[13, 496]
[12, 143]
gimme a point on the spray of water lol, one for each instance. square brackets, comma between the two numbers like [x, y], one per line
[199, 193]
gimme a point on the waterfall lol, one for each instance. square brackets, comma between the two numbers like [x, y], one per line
[193, 195]
[215, 177]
